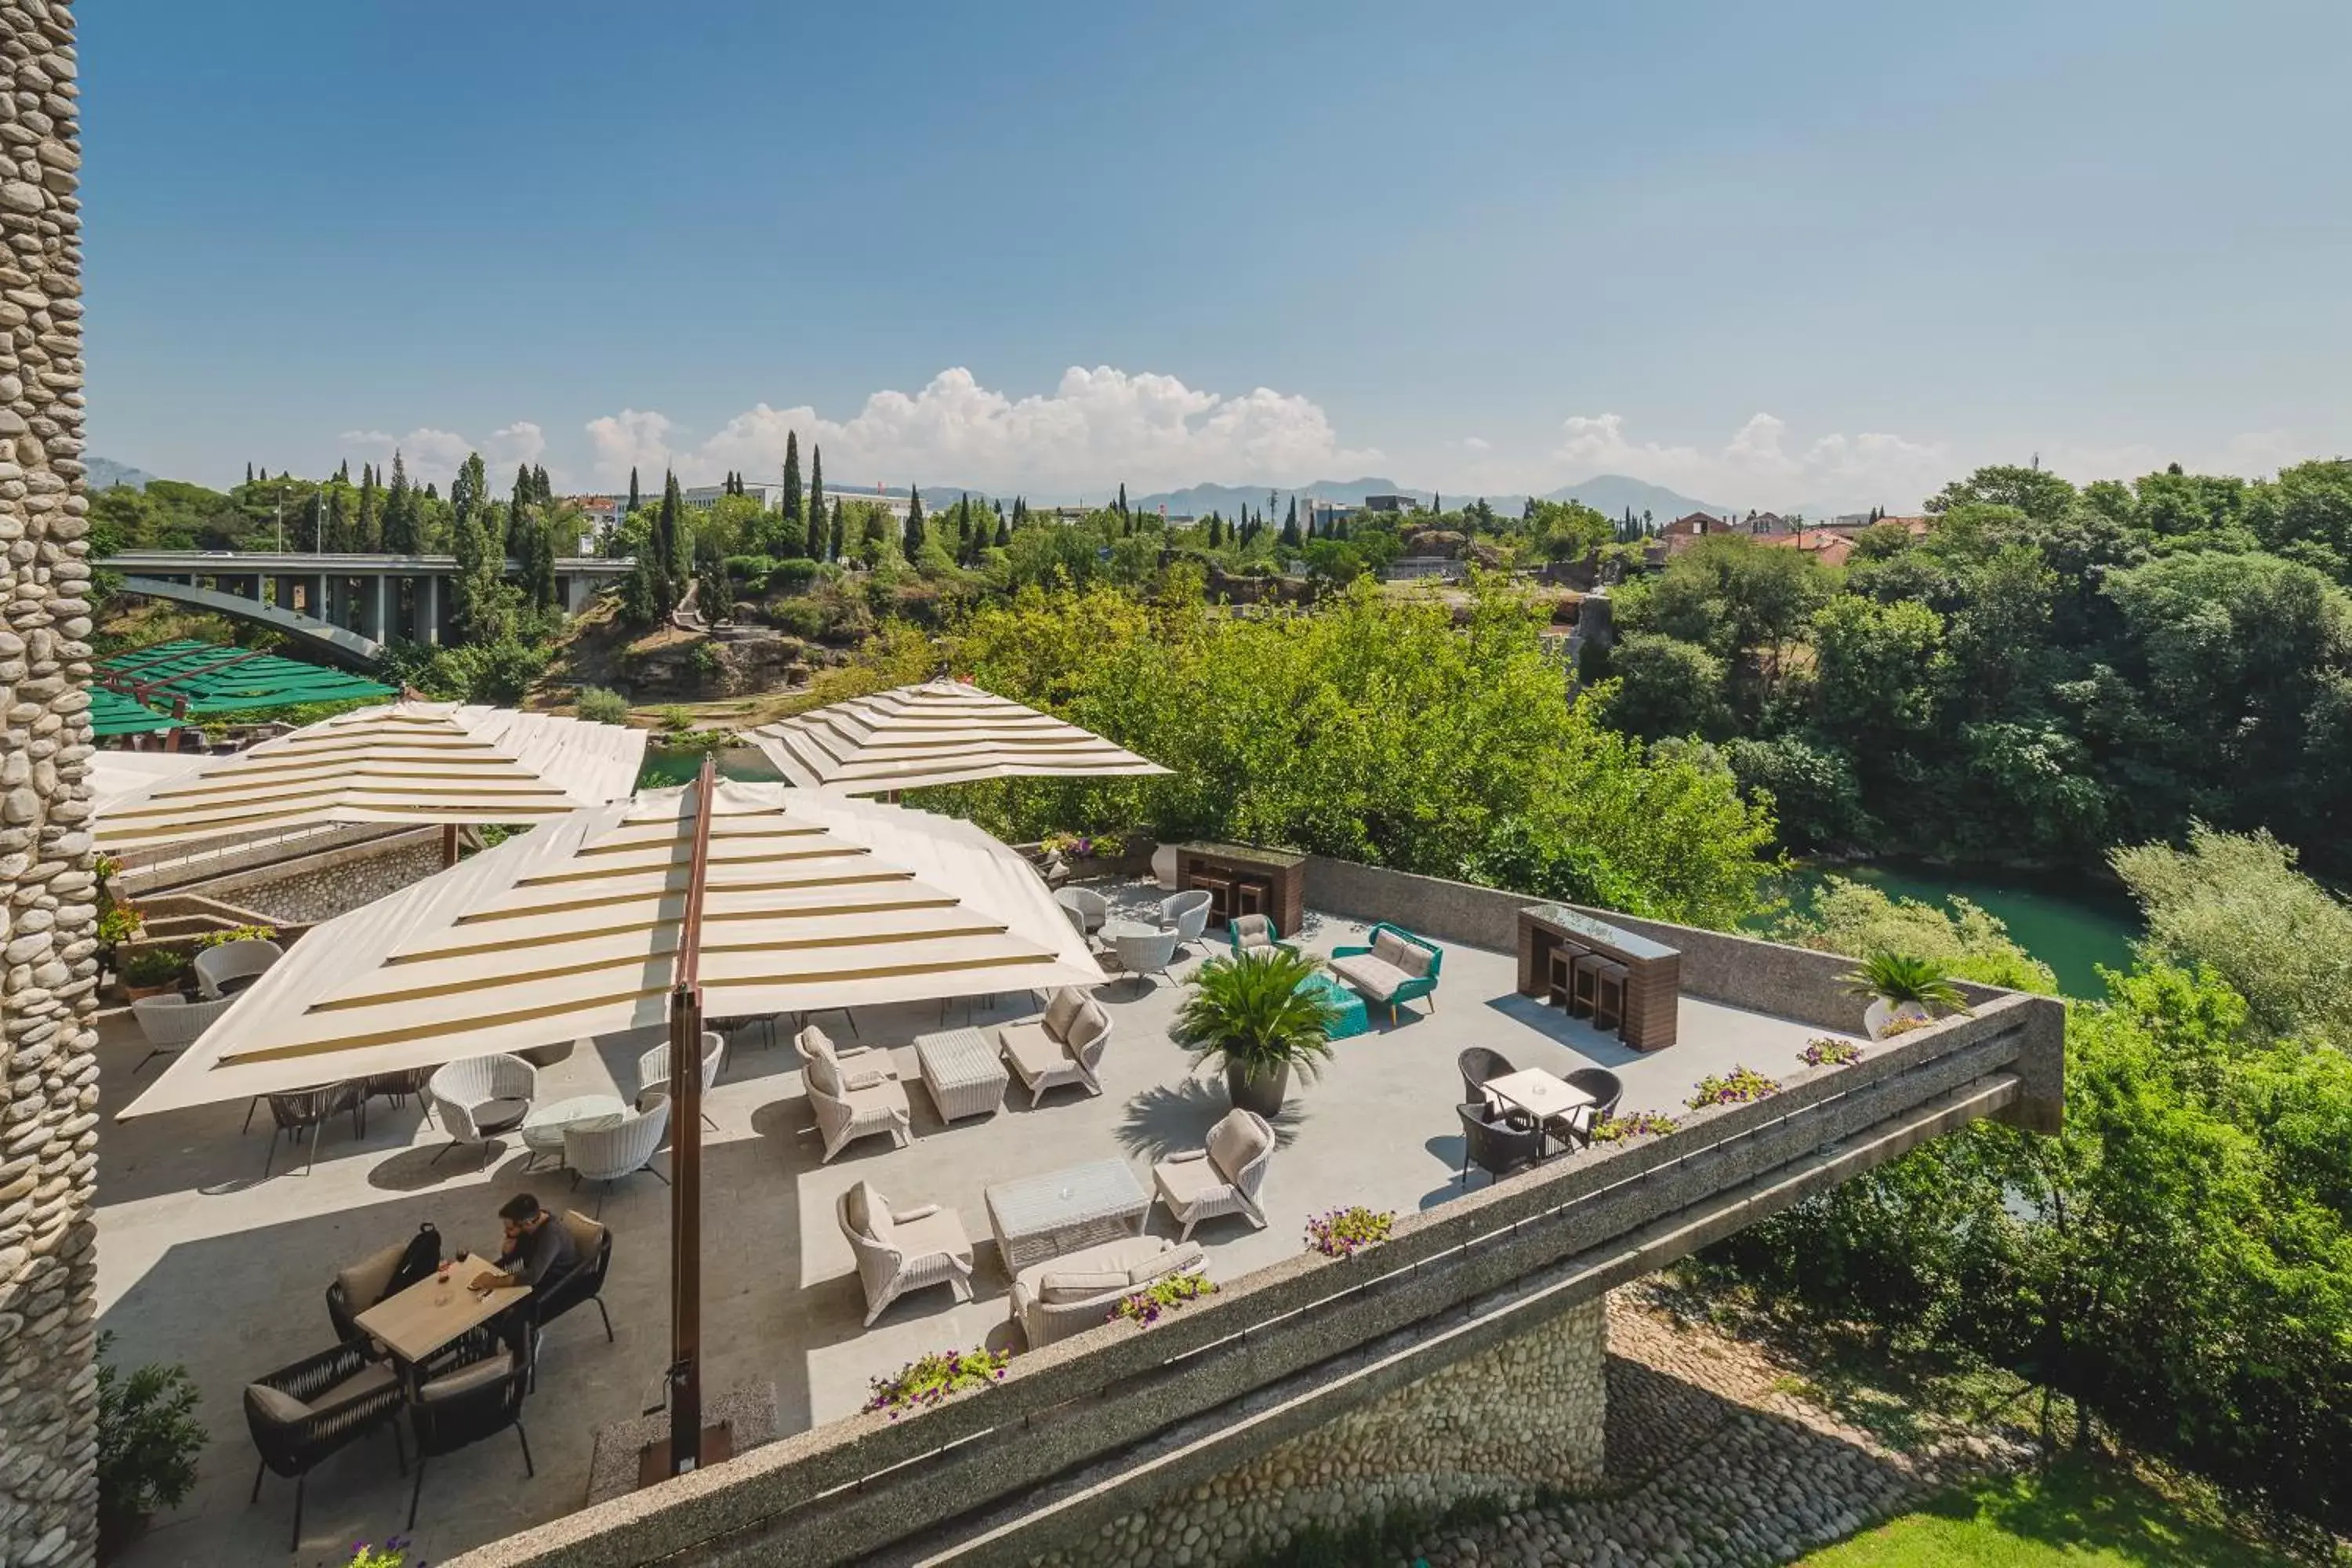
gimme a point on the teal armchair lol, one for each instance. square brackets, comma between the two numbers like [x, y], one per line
[1398, 967]
[1254, 933]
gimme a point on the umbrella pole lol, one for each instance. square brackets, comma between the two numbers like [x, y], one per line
[686, 1151]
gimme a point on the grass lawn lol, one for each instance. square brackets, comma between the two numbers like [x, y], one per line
[2077, 1514]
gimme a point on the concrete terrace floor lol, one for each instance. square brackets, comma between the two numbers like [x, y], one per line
[203, 1262]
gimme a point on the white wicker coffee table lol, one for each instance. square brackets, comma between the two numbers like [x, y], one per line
[961, 1070]
[1039, 1218]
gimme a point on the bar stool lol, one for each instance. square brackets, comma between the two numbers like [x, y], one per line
[1559, 980]
[1585, 990]
[1608, 994]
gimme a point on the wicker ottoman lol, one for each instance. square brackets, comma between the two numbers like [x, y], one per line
[962, 1073]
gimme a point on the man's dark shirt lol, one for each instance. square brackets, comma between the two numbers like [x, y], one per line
[543, 1256]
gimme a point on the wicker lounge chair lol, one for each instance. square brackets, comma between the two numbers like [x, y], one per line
[1223, 1178]
[906, 1250]
[232, 967]
[300, 1413]
[607, 1154]
[1064, 1046]
[844, 1114]
[480, 1096]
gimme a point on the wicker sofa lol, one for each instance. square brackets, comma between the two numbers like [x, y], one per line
[1074, 1292]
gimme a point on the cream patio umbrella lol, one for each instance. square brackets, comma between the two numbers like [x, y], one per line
[940, 732]
[416, 763]
[774, 899]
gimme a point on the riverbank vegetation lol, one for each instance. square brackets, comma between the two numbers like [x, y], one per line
[2176, 1267]
[2043, 672]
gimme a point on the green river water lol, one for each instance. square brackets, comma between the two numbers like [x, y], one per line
[2074, 924]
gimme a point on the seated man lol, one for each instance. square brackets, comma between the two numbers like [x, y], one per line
[538, 1252]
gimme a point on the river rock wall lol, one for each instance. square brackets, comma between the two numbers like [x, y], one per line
[48, 965]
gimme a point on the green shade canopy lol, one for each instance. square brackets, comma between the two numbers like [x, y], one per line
[111, 713]
[212, 680]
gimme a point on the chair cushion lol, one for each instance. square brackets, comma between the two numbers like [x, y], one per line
[275, 1404]
[375, 1375]
[1184, 1181]
[1073, 1285]
[1409, 956]
[587, 1236]
[1253, 931]
[473, 1376]
[364, 1282]
[1031, 1050]
[870, 1214]
[814, 1041]
[1235, 1142]
[500, 1115]
[1175, 1261]
[1088, 1027]
[1061, 1008]
[1374, 977]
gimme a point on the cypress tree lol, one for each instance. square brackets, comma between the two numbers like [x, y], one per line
[634, 502]
[367, 537]
[1122, 503]
[793, 479]
[1290, 526]
[399, 531]
[516, 544]
[816, 520]
[1004, 533]
[836, 541]
[541, 490]
[343, 473]
[913, 539]
[248, 473]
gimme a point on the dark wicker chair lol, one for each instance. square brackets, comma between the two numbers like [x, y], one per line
[477, 1399]
[360, 1286]
[1497, 1148]
[1606, 1089]
[1479, 1064]
[584, 1283]
[292, 1112]
[300, 1413]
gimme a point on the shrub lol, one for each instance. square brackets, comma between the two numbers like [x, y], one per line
[928, 1379]
[148, 1438]
[392, 1554]
[236, 933]
[747, 568]
[1640, 1124]
[1173, 1291]
[1345, 1232]
[118, 922]
[1736, 1087]
[803, 619]
[600, 706]
[1901, 978]
[1249, 1014]
[151, 966]
[1829, 1052]
[677, 717]
[790, 576]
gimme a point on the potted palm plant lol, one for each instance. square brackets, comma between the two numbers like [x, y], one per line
[1902, 989]
[1249, 1015]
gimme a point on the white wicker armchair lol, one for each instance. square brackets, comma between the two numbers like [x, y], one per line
[607, 1154]
[1142, 953]
[173, 1022]
[1066, 1045]
[1087, 908]
[1223, 1178]
[652, 1068]
[844, 1114]
[480, 1096]
[228, 967]
[906, 1250]
[858, 1065]
[1187, 914]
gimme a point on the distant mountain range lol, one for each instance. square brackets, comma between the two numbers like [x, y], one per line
[1611, 493]
[105, 473]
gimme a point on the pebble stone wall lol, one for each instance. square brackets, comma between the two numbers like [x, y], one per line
[48, 968]
[1528, 1416]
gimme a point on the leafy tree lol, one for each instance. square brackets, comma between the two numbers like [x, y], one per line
[1664, 687]
[2039, 494]
[1813, 791]
[1742, 601]
[1879, 670]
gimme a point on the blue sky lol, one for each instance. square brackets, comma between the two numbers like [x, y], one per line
[1819, 254]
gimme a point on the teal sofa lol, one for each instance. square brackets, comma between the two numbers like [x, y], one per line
[1396, 966]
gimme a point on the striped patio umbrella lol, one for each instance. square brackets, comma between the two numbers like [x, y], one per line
[940, 732]
[418, 764]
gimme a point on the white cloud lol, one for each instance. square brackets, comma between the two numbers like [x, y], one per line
[1755, 467]
[1097, 427]
[1476, 444]
[434, 456]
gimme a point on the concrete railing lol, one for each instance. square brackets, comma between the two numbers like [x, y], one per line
[868, 1486]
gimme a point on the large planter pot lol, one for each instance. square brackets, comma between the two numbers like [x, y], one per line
[1880, 1016]
[1261, 1092]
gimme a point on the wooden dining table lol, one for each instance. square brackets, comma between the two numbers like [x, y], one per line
[430, 1314]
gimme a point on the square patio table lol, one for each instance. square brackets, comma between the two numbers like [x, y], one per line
[962, 1071]
[1542, 1096]
[1044, 1216]
[427, 1315]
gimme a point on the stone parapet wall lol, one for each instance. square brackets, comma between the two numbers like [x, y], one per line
[1525, 1418]
[48, 912]
[336, 883]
